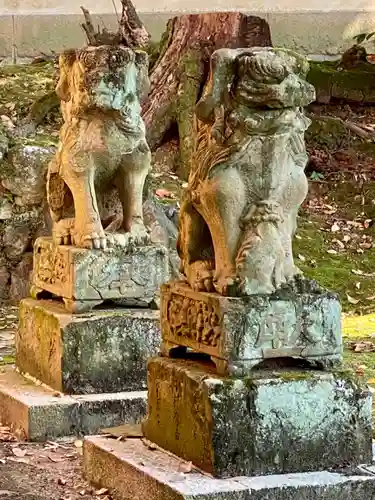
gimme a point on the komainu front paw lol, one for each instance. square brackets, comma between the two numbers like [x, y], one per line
[200, 276]
[138, 233]
[227, 284]
[90, 235]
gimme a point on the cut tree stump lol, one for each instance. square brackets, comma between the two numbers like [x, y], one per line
[181, 71]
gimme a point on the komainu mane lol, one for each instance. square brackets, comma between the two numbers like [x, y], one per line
[102, 144]
[247, 181]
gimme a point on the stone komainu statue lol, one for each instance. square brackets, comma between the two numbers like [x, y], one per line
[102, 144]
[247, 180]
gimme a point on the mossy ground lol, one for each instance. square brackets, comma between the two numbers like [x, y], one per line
[21, 85]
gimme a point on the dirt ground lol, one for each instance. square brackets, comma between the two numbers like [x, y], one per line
[43, 471]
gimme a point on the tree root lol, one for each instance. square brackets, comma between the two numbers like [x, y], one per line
[353, 127]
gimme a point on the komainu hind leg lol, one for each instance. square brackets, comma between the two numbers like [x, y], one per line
[58, 198]
[221, 201]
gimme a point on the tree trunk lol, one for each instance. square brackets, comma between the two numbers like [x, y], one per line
[182, 69]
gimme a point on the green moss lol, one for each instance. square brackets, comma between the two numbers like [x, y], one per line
[20, 86]
[314, 242]
[296, 375]
[7, 360]
[356, 84]
[328, 132]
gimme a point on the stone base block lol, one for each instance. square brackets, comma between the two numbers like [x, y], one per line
[86, 278]
[38, 414]
[134, 472]
[299, 321]
[102, 351]
[269, 423]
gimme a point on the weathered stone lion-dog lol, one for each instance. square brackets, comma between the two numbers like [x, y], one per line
[102, 144]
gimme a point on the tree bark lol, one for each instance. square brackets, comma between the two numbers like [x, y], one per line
[182, 69]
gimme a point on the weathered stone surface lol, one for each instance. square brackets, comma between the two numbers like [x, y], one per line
[133, 472]
[4, 280]
[239, 333]
[16, 239]
[24, 173]
[268, 423]
[102, 144]
[38, 414]
[4, 142]
[20, 278]
[331, 83]
[85, 278]
[247, 181]
[6, 209]
[99, 352]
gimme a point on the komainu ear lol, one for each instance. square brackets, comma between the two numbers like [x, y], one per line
[66, 62]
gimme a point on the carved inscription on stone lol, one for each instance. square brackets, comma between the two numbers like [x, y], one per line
[98, 275]
[192, 322]
[245, 331]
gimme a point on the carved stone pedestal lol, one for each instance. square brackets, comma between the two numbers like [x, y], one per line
[98, 352]
[239, 333]
[87, 278]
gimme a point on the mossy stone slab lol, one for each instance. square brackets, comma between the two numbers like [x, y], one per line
[299, 321]
[98, 352]
[269, 423]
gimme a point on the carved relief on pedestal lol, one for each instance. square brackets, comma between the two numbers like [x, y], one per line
[193, 321]
[241, 332]
[85, 278]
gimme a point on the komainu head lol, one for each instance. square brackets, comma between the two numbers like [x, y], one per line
[281, 71]
[107, 78]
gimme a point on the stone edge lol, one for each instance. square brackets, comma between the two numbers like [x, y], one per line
[36, 413]
[139, 473]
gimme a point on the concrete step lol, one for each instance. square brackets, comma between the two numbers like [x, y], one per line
[134, 470]
[36, 413]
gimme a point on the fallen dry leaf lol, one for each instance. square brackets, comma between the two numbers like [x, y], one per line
[301, 258]
[18, 452]
[101, 492]
[367, 223]
[332, 251]
[358, 272]
[149, 444]
[185, 467]
[352, 300]
[363, 346]
[124, 431]
[78, 443]
[339, 243]
[335, 227]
